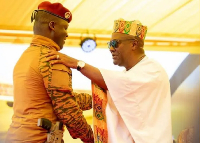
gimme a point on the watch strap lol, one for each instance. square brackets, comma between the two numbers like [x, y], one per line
[78, 68]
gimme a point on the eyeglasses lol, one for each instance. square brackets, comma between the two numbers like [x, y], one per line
[115, 43]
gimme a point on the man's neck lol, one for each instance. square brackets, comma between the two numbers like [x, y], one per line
[135, 61]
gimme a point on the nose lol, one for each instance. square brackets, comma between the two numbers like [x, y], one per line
[66, 33]
[112, 49]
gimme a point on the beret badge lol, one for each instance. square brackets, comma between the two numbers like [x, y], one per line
[68, 15]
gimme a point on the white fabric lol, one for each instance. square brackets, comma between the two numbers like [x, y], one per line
[117, 130]
[139, 104]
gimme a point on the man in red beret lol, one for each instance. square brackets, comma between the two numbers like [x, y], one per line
[42, 90]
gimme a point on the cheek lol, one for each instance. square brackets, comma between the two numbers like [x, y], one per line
[61, 31]
[119, 51]
[121, 54]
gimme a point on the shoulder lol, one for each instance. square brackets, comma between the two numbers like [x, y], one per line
[150, 65]
[148, 70]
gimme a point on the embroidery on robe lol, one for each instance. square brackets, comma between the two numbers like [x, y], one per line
[99, 114]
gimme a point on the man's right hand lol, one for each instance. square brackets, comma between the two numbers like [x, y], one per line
[55, 57]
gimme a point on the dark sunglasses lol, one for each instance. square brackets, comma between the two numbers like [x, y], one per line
[115, 43]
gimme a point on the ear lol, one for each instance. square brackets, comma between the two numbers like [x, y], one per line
[52, 25]
[134, 44]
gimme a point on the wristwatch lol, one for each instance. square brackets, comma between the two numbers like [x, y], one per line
[80, 65]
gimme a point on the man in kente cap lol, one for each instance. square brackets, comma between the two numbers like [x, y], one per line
[42, 90]
[133, 106]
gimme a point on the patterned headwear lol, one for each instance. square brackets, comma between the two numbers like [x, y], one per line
[56, 9]
[134, 28]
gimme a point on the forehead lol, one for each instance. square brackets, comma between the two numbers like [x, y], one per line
[63, 22]
[121, 36]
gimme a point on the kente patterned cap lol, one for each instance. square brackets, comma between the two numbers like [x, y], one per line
[134, 28]
[56, 9]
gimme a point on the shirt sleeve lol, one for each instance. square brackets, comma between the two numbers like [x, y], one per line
[117, 83]
[57, 81]
[84, 100]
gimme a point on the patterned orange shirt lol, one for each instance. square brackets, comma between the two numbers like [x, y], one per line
[42, 90]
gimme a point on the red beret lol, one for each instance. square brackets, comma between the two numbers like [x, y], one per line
[56, 9]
